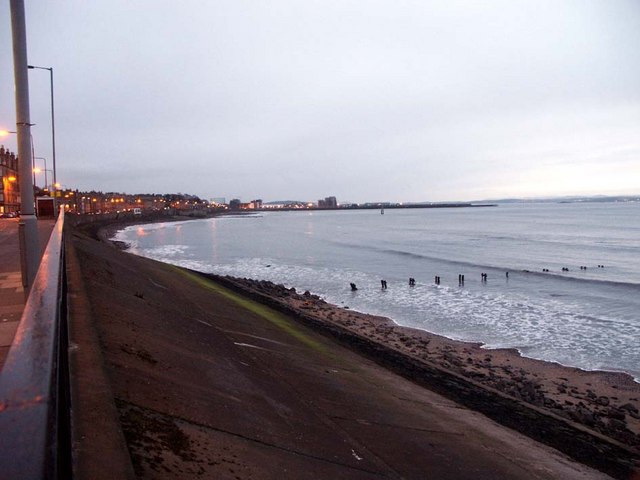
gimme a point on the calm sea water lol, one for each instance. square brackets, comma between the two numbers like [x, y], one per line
[585, 318]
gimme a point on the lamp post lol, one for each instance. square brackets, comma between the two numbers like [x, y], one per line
[53, 120]
[28, 225]
[45, 169]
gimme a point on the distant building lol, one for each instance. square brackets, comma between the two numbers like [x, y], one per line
[328, 202]
[234, 204]
[218, 200]
[255, 204]
[9, 184]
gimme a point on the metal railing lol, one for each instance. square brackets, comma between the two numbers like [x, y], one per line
[34, 384]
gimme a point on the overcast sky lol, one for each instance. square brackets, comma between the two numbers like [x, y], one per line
[367, 100]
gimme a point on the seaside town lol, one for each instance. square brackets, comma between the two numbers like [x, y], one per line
[96, 203]
[156, 324]
[515, 384]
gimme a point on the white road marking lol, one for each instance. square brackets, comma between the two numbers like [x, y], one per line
[256, 337]
[158, 285]
[249, 345]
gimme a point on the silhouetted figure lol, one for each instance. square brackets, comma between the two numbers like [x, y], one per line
[384, 284]
[412, 282]
[507, 274]
[353, 287]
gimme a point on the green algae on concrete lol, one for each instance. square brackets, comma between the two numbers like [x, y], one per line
[263, 311]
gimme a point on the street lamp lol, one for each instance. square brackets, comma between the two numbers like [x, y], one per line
[45, 170]
[28, 225]
[53, 120]
[54, 186]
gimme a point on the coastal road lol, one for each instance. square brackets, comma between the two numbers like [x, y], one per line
[208, 384]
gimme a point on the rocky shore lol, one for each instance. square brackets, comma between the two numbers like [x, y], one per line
[605, 402]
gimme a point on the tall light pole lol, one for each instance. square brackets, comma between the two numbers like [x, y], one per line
[53, 123]
[28, 227]
[45, 170]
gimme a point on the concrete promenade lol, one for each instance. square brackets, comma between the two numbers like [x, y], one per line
[185, 379]
[12, 297]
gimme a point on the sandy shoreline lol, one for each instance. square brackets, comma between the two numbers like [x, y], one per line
[605, 402]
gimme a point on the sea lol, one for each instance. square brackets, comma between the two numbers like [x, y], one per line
[535, 296]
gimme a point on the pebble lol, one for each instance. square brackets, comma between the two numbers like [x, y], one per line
[617, 424]
[629, 407]
[614, 413]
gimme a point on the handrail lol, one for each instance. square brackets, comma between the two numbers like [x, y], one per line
[34, 424]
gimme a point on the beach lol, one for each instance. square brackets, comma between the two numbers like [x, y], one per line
[591, 416]
[605, 401]
[585, 318]
[209, 383]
